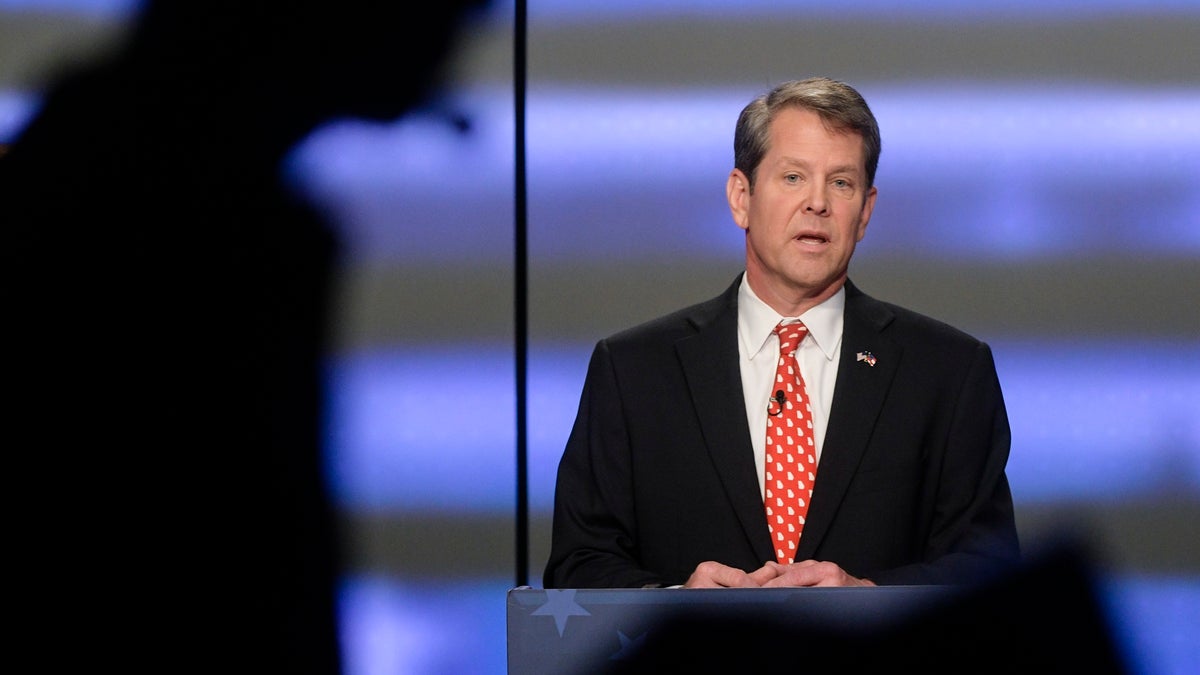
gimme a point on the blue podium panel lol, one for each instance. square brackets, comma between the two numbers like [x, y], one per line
[578, 631]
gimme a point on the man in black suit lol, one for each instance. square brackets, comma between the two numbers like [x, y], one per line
[662, 481]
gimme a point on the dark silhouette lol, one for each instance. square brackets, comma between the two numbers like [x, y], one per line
[1046, 616]
[168, 323]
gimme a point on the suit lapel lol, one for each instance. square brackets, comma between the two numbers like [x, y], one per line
[709, 359]
[857, 399]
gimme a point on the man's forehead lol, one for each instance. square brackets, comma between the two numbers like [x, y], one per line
[784, 132]
[792, 114]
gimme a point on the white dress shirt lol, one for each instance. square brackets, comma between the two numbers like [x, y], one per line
[758, 351]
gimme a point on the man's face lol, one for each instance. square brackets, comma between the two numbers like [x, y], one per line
[809, 209]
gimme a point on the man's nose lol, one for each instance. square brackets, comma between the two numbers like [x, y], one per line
[816, 201]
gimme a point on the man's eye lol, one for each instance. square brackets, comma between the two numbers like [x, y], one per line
[792, 178]
[841, 183]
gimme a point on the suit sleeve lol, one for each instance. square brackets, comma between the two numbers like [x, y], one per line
[593, 543]
[972, 533]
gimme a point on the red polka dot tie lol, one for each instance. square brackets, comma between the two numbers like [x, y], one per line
[791, 456]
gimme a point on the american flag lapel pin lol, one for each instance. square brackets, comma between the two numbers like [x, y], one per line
[868, 357]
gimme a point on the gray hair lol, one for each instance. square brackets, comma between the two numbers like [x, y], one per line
[840, 106]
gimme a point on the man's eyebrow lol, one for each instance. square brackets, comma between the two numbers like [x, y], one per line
[794, 161]
[786, 161]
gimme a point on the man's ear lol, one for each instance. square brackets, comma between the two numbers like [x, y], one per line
[737, 191]
[868, 207]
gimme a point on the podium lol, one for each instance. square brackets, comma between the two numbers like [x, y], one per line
[1045, 616]
[588, 631]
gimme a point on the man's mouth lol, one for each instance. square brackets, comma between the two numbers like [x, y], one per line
[812, 239]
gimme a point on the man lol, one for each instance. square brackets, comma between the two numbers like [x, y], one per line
[673, 452]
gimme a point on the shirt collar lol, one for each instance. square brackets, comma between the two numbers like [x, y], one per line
[756, 322]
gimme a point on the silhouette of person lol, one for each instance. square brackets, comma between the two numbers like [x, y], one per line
[169, 297]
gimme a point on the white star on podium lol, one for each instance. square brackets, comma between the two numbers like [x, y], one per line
[561, 604]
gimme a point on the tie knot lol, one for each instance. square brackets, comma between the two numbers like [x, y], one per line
[790, 336]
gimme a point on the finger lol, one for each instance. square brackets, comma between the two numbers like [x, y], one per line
[702, 576]
[765, 573]
[804, 573]
[731, 577]
[712, 574]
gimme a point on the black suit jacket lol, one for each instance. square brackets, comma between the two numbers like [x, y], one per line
[658, 474]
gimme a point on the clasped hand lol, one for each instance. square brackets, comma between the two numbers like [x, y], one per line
[773, 575]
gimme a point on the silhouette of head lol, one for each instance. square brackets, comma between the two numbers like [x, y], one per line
[360, 58]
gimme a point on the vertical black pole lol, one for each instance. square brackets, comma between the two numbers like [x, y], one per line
[521, 296]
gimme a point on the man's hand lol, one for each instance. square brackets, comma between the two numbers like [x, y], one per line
[773, 575]
[806, 573]
[715, 575]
